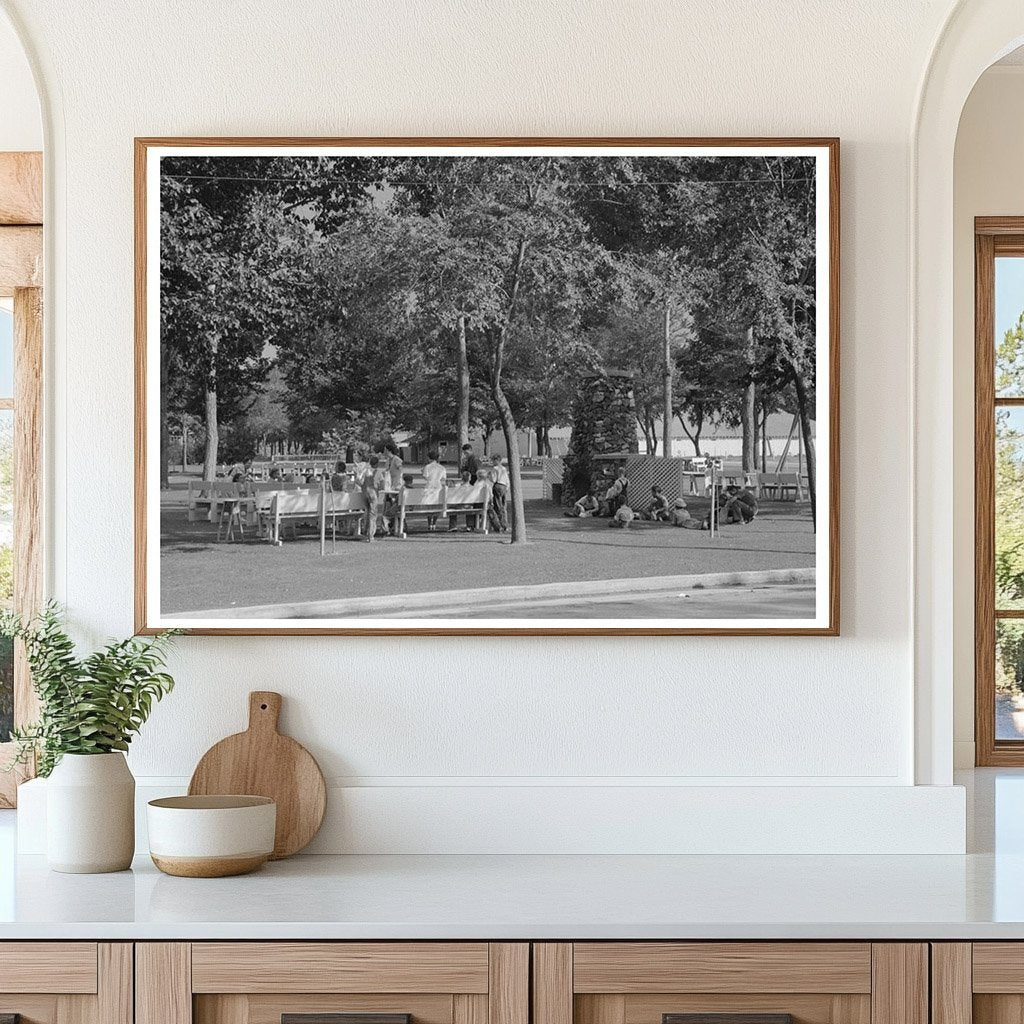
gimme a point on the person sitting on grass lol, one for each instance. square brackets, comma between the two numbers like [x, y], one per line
[739, 505]
[624, 515]
[375, 485]
[657, 510]
[585, 506]
[616, 494]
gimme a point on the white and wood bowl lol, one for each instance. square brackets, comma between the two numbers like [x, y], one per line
[211, 836]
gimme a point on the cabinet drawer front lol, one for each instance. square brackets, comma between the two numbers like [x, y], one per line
[339, 967]
[58, 967]
[269, 1009]
[998, 967]
[636, 967]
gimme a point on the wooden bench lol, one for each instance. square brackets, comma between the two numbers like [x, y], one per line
[470, 498]
[420, 501]
[208, 494]
[281, 506]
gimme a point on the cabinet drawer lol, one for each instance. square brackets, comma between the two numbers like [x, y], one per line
[730, 983]
[66, 982]
[332, 983]
[751, 967]
[340, 967]
[65, 967]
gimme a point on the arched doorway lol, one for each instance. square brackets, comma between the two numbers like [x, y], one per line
[21, 350]
[976, 34]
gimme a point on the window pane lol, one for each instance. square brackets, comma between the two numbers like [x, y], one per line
[1009, 508]
[6, 566]
[6, 353]
[1009, 679]
[1009, 317]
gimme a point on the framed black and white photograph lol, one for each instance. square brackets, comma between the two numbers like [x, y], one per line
[442, 386]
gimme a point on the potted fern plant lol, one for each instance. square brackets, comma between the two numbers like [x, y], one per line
[90, 708]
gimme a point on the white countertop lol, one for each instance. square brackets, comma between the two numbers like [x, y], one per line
[978, 896]
[516, 897]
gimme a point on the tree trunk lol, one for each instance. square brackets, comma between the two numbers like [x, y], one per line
[666, 375]
[508, 421]
[517, 510]
[184, 445]
[165, 427]
[463, 366]
[803, 408]
[764, 436]
[210, 408]
[748, 410]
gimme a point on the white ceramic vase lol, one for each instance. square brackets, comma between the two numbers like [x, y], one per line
[90, 814]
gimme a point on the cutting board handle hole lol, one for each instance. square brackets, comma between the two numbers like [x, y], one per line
[263, 707]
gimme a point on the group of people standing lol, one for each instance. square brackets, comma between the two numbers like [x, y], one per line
[382, 477]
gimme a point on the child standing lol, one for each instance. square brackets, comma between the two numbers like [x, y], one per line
[499, 494]
[375, 485]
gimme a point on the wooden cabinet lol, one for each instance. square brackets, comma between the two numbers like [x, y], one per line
[310, 982]
[978, 983]
[750, 982]
[66, 982]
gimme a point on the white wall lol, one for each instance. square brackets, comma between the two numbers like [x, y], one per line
[21, 127]
[987, 181]
[434, 716]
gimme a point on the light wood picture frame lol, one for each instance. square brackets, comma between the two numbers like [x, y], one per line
[380, 318]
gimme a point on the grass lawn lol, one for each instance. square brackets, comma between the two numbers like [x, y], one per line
[197, 572]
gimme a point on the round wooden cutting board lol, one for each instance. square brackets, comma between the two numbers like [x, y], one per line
[262, 762]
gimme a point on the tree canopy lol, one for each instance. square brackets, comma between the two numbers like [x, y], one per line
[325, 300]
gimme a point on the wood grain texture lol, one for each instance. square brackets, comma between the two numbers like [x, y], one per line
[633, 967]
[899, 989]
[262, 762]
[806, 1008]
[951, 983]
[727, 1018]
[141, 357]
[508, 994]
[346, 1018]
[32, 1009]
[65, 967]
[998, 967]
[984, 502]
[144, 626]
[268, 1009]
[999, 226]
[21, 188]
[21, 258]
[115, 995]
[163, 983]
[552, 983]
[226, 1009]
[599, 1009]
[305, 967]
[998, 1009]
[28, 483]
[469, 1008]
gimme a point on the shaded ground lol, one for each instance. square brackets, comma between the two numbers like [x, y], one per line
[197, 572]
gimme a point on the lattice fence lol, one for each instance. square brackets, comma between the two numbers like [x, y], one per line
[644, 471]
[552, 469]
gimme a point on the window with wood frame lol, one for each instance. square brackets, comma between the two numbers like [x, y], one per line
[21, 365]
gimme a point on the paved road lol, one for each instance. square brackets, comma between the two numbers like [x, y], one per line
[1009, 719]
[785, 600]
